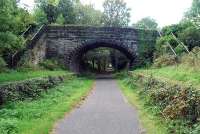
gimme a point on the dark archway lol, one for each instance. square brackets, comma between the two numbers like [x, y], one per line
[75, 57]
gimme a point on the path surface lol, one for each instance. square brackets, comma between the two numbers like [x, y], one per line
[105, 111]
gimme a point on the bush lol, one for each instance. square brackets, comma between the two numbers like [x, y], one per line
[2, 65]
[28, 89]
[51, 64]
[8, 126]
[192, 59]
[173, 102]
[165, 60]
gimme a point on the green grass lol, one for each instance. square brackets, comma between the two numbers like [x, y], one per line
[150, 122]
[17, 75]
[39, 116]
[179, 73]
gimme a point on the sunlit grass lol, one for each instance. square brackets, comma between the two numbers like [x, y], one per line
[17, 75]
[175, 73]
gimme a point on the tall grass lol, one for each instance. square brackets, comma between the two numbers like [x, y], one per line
[179, 73]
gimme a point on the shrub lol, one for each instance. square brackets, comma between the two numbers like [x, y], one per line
[180, 50]
[165, 60]
[51, 64]
[173, 102]
[8, 126]
[28, 89]
[193, 58]
[196, 129]
[2, 65]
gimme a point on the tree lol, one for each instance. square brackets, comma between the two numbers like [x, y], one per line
[60, 20]
[13, 21]
[194, 11]
[49, 7]
[66, 8]
[116, 13]
[190, 36]
[147, 23]
[87, 15]
[98, 59]
[40, 16]
[193, 14]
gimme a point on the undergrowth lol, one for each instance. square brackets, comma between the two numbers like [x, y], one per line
[176, 106]
[38, 116]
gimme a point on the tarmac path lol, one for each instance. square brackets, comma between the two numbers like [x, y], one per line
[105, 111]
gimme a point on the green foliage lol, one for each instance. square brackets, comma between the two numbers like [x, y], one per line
[2, 65]
[194, 11]
[165, 60]
[152, 123]
[13, 75]
[175, 103]
[161, 44]
[180, 50]
[116, 13]
[60, 20]
[186, 32]
[28, 89]
[192, 59]
[196, 129]
[49, 7]
[8, 126]
[13, 21]
[66, 12]
[87, 15]
[51, 64]
[193, 14]
[190, 36]
[40, 16]
[147, 23]
[67, 9]
[98, 59]
[39, 116]
[10, 43]
[146, 47]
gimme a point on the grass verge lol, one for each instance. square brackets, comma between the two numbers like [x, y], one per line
[151, 123]
[17, 75]
[178, 73]
[39, 116]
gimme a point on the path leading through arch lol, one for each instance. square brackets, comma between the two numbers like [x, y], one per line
[105, 111]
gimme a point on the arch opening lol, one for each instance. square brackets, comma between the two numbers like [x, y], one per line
[77, 56]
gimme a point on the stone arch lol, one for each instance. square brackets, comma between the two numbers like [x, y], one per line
[74, 58]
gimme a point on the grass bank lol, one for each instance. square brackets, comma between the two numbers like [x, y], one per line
[150, 122]
[173, 105]
[178, 73]
[39, 116]
[22, 75]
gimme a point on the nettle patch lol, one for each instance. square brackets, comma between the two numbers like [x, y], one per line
[28, 89]
[178, 104]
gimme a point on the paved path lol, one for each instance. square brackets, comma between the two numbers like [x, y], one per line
[105, 111]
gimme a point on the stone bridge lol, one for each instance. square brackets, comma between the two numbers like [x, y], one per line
[69, 43]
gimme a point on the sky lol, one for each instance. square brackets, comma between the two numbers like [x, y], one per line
[165, 12]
